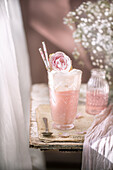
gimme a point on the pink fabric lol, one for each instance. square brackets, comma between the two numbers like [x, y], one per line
[98, 144]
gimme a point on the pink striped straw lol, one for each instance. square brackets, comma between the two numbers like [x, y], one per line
[46, 55]
[43, 58]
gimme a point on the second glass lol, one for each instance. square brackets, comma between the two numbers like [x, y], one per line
[64, 93]
[97, 92]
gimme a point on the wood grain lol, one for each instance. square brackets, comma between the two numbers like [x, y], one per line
[40, 99]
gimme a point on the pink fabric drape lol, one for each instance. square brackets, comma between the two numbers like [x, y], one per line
[98, 144]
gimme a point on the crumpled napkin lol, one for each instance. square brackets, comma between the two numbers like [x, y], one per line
[98, 143]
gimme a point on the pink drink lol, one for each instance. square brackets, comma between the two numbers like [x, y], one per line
[64, 108]
[96, 101]
[64, 92]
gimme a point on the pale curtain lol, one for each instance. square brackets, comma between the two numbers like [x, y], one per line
[15, 86]
[98, 144]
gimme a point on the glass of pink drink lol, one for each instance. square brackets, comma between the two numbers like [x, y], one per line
[64, 93]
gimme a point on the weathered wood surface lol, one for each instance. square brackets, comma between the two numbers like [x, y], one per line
[39, 95]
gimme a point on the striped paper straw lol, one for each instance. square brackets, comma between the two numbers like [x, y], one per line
[43, 58]
[46, 54]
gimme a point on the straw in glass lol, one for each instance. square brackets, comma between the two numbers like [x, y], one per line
[43, 58]
[46, 55]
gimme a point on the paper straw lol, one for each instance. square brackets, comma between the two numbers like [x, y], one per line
[43, 58]
[46, 54]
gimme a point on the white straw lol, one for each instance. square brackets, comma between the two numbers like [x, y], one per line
[43, 58]
[46, 54]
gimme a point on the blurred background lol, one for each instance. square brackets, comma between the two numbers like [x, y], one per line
[43, 21]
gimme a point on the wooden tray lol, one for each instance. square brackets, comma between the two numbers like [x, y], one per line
[40, 99]
[75, 135]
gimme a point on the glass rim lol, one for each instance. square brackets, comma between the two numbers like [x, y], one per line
[73, 71]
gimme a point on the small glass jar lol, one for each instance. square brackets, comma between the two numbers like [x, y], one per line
[97, 92]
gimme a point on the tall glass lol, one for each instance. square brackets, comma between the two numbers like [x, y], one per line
[64, 93]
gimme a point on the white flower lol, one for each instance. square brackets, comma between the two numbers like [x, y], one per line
[77, 17]
[92, 58]
[94, 29]
[99, 48]
[102, 6]
[94, 51]
[82, 19]
[93, 42]
[97, 60]
[110, 18]
[94, 64]
[79, 12]
[71, 27]
[85, 20]
[101, 66]
[100, 60]
[106, 66]
[101, 31]
[71, 14]
[89, 20]
[89, 34]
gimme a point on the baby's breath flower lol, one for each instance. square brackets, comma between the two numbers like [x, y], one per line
[94, 51]
[94, 29]
[110, 18]
[92, 58]
[77, 17]
[106, 13]
[101, 66]
[100, 60]
[93, 63]
[99, 48]
[93, 42]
